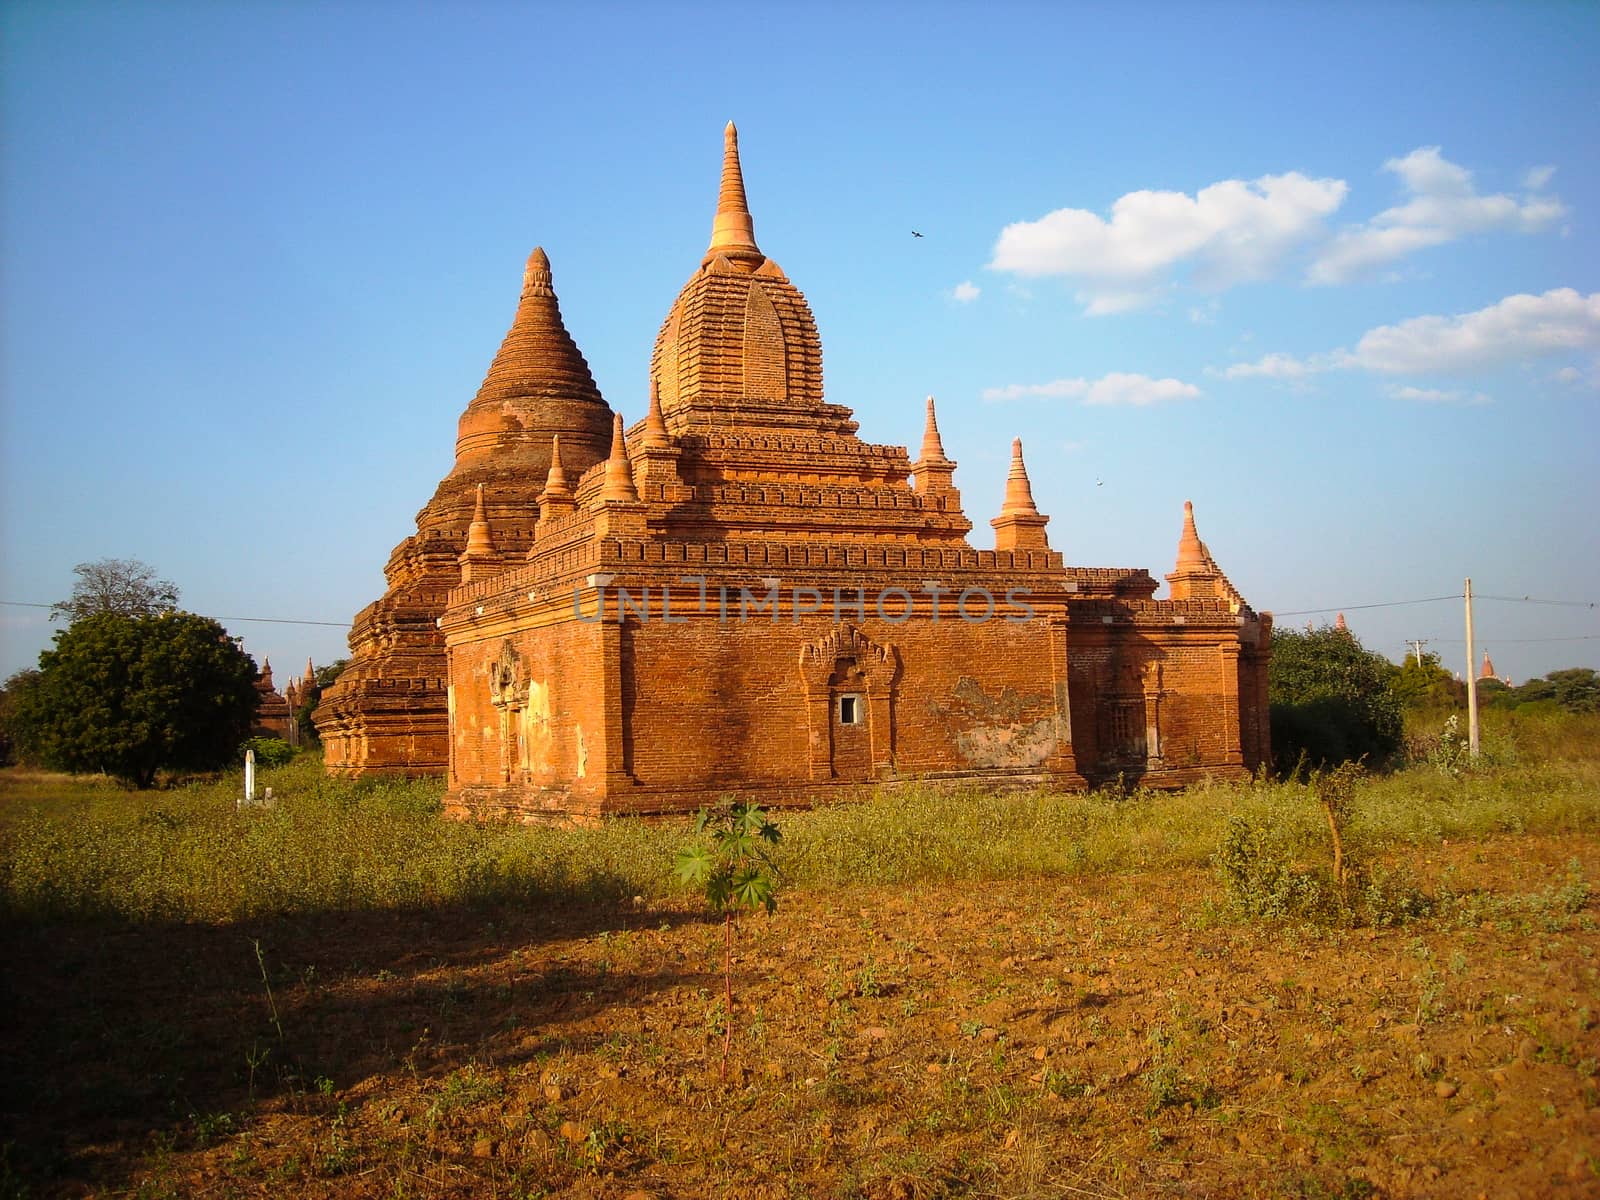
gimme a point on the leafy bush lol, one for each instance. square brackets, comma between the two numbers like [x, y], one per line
[1331, 701]
[270, 751]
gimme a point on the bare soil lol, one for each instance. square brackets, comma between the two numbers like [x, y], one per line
[1089, 1037]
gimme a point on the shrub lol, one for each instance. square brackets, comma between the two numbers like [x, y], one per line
[270, 751]
[1331, 701]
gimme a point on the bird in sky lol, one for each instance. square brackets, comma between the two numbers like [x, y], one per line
[914, 233]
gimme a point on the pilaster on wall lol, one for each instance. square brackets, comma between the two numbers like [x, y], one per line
[1232, 751]
[1064, 761]
[616, 770]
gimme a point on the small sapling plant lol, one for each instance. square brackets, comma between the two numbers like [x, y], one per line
[728, 863]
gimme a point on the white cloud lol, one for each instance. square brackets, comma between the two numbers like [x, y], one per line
[1271, 366]
[1442, 207]
[1536, 178]
[965, 292]
[1115, 388]
[1227, 233]
[1419, 395]
[1518, 327]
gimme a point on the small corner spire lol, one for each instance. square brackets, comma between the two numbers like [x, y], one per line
[1191, 552]
[1020, 525]
[619, 471]
[555, 480]
[1019, 492]
[479, 541]
[733, 232]
[655, 424]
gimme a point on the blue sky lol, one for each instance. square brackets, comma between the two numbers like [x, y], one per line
[1328, 271]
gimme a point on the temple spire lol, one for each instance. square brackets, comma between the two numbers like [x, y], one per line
[479, 558]
[733, 232]
[1019, 492]
[478, 539]
[1191, 551]
[932, 445]
[655, 424]
[1020, 525]
[556, 499]
[555, 480]
[934, 472]
[619, 471]
[538, 384]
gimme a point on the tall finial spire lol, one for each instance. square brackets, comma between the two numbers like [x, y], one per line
[536, 275]
[733, 232]
[619, 471]
[932, 444]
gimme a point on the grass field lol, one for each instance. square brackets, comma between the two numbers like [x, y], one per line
[961, 994]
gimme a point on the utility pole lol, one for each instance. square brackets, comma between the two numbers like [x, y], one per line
[1417, 644]
[1472, 683]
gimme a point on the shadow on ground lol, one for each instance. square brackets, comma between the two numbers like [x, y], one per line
[122, 1035]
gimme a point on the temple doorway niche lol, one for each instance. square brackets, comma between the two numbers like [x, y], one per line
[849, 691]
[851, 757]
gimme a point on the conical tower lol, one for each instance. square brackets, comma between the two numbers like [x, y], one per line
[739, 346]
[387, 713]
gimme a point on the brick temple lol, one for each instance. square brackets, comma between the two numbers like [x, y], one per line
[740, 595]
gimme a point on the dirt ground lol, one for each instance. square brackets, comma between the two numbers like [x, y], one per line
[1074, 1038]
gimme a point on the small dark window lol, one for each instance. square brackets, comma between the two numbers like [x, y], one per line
[849, 710]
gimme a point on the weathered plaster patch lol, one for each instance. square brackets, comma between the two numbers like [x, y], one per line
[1004, 731]
[583, 751]
[536, 729]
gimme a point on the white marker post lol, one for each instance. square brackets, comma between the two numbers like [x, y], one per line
[250, 776]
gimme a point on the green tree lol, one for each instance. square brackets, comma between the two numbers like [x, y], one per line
[124, 587]
[134, 695]
[1426, 684]
[15, 742]
[1576, 689]
[1331, 700]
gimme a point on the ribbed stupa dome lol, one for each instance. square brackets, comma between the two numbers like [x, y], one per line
[740, 344]
[538, 385]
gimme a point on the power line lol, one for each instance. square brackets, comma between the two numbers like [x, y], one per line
[1531, 600]
[1500, 641]
[261, 620]
[1306, 612]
